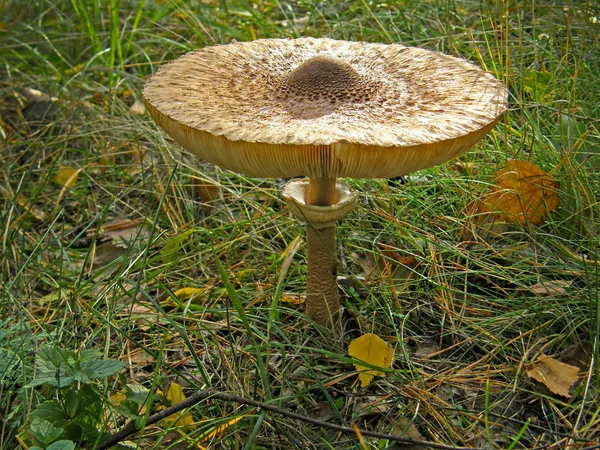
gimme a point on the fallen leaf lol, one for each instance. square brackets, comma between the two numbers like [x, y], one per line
[366, 261]
[207, 191]
[425, 349]
[138, 358]
[523, 193]
[371, 405]
[34, 210]
[187, 293]
[220, 429]
[138, 107]
[577, 354]
[557, 376]
[293, 299]
[324, 411]
[66, 176]
[107, 253]
[373, 350]
[174, 396]
[122, 231]
[404, 427]
[550, 288]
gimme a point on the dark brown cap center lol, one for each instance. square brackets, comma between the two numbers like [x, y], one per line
[323, 76]
[320, 85]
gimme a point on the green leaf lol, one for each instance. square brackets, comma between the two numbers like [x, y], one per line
[129, 409]
[61, 368]
[84, 405]
[52, 412]
[62, 445]
[54, 367]
[94, 366]
[45, 431]
[136, 393]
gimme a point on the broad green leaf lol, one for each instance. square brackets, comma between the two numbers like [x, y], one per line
[62, 445]
[54, 367]
[61, 367]
[44, 430]
[50, 411]
[84, 405]
[102, 368]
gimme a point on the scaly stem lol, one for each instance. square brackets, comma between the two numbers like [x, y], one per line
[322, 296]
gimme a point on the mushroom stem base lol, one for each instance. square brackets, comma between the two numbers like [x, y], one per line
[322, 296]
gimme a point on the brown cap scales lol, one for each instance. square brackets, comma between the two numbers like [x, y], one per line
[323, 108]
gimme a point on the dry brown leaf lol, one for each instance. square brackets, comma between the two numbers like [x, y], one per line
[324, 411]
[578, 354]
[139, 358]
[207, 191]
[405, 427]
[371, 405]
[550, 288]
[122, 231]
[523, 193]
[107, 253]
[138, 107]
[557, 376]
[425, 349]
[366, 261]
[373, 350]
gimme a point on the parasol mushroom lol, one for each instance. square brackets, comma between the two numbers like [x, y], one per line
[323, 109]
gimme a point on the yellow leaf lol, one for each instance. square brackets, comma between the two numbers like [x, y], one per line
[66, 176]
[556, 375]
[373, 350]
[175, 395]
[36, 212]
[186, 293]
[523, 193]
[221, 428]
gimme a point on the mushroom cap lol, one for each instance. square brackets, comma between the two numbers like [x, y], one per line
[323, 108]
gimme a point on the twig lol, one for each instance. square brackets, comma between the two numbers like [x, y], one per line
[197, 397]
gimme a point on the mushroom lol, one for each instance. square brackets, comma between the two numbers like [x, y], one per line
[323, 109]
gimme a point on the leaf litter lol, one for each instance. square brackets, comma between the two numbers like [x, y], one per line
[557, 376]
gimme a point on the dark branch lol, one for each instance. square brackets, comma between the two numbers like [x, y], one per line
[197, 397]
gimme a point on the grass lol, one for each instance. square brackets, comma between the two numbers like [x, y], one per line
[462, 316]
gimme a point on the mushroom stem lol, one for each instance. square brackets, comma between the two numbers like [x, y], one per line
[321, 191]
[322, 292]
